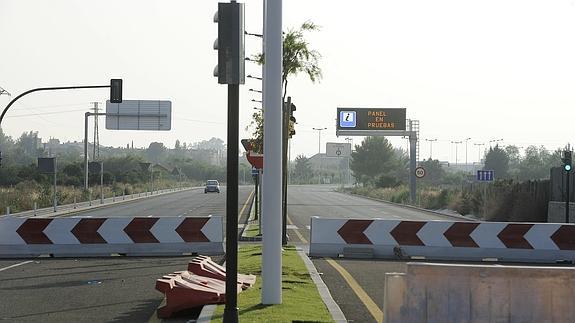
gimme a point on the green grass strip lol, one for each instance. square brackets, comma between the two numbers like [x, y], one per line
[301, 301]
[252, 230]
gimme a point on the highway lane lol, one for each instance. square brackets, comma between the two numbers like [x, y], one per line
[184, 203]
[357, 285]
[115, 289]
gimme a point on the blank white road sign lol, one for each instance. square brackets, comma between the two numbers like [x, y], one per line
[139, 115]
[338, 149]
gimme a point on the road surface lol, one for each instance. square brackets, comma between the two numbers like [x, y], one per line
[116, 289]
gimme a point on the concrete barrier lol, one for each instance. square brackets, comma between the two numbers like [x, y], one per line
[479, 293]
[442, 240]
[134, 236]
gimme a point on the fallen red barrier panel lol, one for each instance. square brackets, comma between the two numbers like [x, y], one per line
[205, 266]
[201, 286]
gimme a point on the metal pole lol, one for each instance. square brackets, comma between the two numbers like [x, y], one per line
[412, 165]
[101, 182]
[567, 198]
[272, 180]
[86, 115]
[231, 308]
[256, 194]
[285, 123]
[55, 173]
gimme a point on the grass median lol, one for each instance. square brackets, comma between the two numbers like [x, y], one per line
[301, 301]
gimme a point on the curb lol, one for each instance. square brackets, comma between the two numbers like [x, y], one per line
[334, 310]
[247, 224]
[460, 217]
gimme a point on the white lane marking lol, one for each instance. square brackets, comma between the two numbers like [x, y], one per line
[291, 227]
[16, 265]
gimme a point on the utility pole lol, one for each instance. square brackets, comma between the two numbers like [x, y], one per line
[96, 154]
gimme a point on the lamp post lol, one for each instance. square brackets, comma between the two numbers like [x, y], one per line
[456, 143]
[494, 141]
[466, 140]
[479, 151]
[254, 77]
[319, 130]
[253, 90]
[350, 141]
[431, 147]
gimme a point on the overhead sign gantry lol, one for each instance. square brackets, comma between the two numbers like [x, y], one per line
[381, 122]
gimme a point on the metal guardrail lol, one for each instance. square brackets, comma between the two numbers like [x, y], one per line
[86, 205]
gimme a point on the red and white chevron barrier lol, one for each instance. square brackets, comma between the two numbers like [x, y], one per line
[444, 240]
[26, 237]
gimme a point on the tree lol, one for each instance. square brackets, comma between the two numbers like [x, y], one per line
[376, 161]
[497, 160]
[537, 163]
[434, 173]
[302, 170]
[156, 151]
[297, 58]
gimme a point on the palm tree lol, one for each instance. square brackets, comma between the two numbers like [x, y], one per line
[297, 57]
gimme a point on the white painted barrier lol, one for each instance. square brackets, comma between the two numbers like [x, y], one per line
[443, 240]
[135, 236]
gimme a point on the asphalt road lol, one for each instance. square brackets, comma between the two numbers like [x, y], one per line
[368, 275]
[115, 289]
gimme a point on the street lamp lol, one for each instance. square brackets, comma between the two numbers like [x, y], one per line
[319, 130]
[466, 140]
[319, 138]
[259, 101]
[479, 151]
[494, 140]
[431, 147]
[254, 77]
[456, 143]
[252, 90]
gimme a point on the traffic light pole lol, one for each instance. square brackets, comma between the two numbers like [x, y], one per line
[231, 309]
[567, 198]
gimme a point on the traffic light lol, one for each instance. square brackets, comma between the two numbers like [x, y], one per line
[567, 164]
[116, 90]
[292, 121]
[230, 43]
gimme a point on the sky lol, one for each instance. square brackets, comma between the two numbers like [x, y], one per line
[484, 70]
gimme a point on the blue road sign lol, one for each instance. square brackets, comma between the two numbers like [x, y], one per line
[485, 175]
[255, 171]
[347, 119]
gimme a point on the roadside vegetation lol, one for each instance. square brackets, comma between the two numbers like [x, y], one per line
[126, 170]
[520, 193]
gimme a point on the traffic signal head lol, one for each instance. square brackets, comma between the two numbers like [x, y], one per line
[230, 43]
[567, 162]
[116, 90]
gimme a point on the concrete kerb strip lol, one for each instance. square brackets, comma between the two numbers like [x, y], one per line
[72, 212]
[459, 217]
[243, 236]
[332, 307]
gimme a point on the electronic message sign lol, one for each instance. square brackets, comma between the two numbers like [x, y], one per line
[370, 119]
